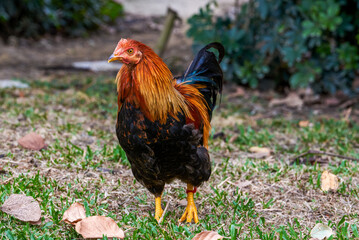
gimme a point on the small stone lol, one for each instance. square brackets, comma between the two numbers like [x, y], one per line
[6, 83]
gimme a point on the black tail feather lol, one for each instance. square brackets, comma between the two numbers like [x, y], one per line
[205, 70]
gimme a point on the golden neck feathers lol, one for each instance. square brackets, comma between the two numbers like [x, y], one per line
[150, 86]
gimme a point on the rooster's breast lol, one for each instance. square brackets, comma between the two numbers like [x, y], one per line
[162, 152]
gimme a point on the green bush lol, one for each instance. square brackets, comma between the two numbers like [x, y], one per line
[295, 43]
[32, 18]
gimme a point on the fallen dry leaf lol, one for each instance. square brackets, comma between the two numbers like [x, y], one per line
[329, 181]
[321, 231]
[303, 123]
[207, 235]
[32, 141]
[243, 184]
[292, 100]
[99, 226]
[22, 207]
[74, 214]
[261, 150]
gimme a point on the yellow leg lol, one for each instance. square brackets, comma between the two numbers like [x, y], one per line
[191, 210]
[158, 209]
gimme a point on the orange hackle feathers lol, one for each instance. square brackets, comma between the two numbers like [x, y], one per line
[149, 85]
[154, 89]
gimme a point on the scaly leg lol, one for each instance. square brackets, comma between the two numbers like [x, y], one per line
[191, 210]
[158, 208]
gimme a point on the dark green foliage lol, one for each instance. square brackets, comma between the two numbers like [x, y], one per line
[294, 43]
[31, 18]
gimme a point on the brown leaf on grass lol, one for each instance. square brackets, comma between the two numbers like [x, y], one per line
[303, 123]
[207, 235]
[256, 149]
[99, 226]
[32, 141]
[259, 152]
[74, 214]
[329, 181]
[292, 100]
[22, 207]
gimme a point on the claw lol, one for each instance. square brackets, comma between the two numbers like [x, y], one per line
[158, 209]
[191, 210]
[190, 213]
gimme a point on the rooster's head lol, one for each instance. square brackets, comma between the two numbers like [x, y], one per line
[127, 51]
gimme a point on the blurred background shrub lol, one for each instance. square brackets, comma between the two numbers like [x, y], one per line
[293, 43]
[32, 18]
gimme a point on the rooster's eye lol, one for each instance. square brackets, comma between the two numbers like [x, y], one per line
[130, 51]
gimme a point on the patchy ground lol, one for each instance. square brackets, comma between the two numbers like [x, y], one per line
[248, 196]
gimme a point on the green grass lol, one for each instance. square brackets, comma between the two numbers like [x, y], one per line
[83, 162]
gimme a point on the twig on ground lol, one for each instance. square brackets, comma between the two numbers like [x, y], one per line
[225, 180]
[9, 161]
[7, 180]
[323, 153]
[164, 212]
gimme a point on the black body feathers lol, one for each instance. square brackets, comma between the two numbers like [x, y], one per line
[159, 153]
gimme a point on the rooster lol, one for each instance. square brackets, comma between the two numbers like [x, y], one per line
[163, 123]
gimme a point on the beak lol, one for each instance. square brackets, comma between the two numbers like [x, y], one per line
[114, 58]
